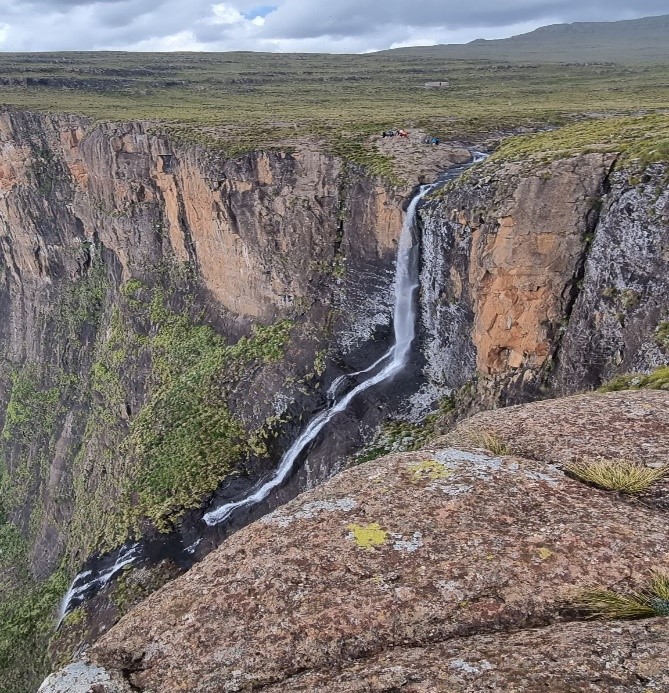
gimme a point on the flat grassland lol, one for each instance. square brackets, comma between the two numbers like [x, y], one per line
[242, 101]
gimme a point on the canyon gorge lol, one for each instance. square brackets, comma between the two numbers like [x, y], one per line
[171, 320]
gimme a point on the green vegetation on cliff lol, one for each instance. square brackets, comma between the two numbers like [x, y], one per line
[655, 380]
[128, 466]
[164, 458]
[186, 439]
[27, 608]
[640, 140]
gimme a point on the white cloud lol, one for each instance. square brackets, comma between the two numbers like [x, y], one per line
[225, 14]
[286, 25]
[181, 41]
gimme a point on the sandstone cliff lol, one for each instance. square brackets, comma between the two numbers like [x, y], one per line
[98, 219]
[446, 569]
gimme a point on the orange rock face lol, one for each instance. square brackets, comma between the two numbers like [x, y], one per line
[505, 251]
[259, 230]
[522, 267]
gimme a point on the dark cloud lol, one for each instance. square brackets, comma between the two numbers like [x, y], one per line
[303, 18]
[335, 25]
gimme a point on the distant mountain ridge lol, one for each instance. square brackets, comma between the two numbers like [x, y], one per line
[631, 40]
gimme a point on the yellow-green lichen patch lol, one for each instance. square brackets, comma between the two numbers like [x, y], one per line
[544, 553]
[430, 470]
[368, 536]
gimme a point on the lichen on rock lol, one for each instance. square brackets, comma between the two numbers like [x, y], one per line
[480, 578]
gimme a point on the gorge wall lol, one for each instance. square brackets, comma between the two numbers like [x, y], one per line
[168, 319]
[545, 278]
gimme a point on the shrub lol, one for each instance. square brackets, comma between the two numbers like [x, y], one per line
[616, 475]
[662, 335]
[656, 380]
[653, 601]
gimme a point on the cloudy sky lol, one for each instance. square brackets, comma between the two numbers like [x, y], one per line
[287, 25]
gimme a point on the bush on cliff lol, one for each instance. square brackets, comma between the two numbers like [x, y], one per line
[656, 380]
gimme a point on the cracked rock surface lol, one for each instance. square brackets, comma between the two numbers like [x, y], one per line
[441, 569]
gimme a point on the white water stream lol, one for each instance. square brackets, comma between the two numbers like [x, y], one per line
[394, 360]
[78, 588]
[404, 321]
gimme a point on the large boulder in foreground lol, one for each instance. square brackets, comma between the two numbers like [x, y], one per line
[437, 570]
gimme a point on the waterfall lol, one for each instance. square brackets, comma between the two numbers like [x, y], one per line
[385, 368]
[81, 585]
[404, 322]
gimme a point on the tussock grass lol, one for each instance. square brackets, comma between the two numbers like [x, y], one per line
[488, 441]
[655, 380]
[616, 475]
[605, 604]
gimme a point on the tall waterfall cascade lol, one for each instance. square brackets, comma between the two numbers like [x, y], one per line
[389, 365]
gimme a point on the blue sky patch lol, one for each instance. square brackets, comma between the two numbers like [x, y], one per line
[259, 11]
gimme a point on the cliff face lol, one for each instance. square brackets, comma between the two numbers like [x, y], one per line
[163, 313]
[254, 229]
[168, 317]
[544, 278]
[619, 320]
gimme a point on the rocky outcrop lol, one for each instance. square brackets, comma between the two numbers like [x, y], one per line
[562, 431]
[544, 277]
[443, 568]
[83, 678]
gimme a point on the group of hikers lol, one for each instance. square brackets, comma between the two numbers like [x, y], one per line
[395, 133]
[403, 133]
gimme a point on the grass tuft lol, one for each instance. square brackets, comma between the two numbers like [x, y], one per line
[651, 602]
[489, 441]
[616, 475]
